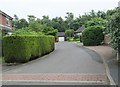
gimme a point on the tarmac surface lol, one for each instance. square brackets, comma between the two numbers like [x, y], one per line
[68, 58]
[109, 55]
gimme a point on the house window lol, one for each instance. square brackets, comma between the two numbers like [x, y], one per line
[7, 22]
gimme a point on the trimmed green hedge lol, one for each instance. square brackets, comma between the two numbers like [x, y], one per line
[23, 48]
[92, 36]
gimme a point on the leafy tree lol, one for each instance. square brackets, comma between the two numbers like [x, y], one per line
[114, 29]
[92, 14]
[31, 18]
[22, 23]
[59, 24]
[64, 26]
[97, 21]
[35, 26]
[101, 14]
[19, 23]
[16, 21]
[56, 23]
[69, 33]
[46, 21]
[69, 20]
[50, 31]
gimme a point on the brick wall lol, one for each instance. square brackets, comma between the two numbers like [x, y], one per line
[3, 21]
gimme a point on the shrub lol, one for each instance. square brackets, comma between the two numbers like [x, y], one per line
[22, 48]
[27, 31]
[69, 33]
[81, 38]
[97, 21]
[76, 37]
[92, 35]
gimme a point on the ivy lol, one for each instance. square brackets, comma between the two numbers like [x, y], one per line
[114, 28]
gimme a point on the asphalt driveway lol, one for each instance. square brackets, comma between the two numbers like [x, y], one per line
[68, 57]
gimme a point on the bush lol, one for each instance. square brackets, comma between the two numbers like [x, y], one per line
[81, 38]
[76, 37]
[22, 48]
[69, 33]
[92, 35]
[97, 21]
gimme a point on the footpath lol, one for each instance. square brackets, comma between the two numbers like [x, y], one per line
[110, 59]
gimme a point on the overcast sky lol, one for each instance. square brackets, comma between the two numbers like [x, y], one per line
[54, 8]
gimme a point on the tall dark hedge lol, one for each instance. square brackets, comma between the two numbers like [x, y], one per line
[22, 48]
[92, 36]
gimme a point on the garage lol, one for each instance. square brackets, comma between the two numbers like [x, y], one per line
[61, 39]
[61, 36]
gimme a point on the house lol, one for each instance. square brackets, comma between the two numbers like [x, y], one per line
[5, 22]
[61, 36]
[77, 32]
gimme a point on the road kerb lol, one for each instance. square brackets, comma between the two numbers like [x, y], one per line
[75, 78]
[107, 68]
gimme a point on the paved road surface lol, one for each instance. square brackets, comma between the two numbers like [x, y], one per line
[69, 62]
[67, 58]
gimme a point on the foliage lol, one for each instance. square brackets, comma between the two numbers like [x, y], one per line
[69, 33]
[97, 21]
[35, 26]
[59, 24]
[27, 31]
[70, 39]
[3, 32]
[16, 21]
[23, 31]
[22, 48]
[76, 38]
[53, 32]
[46, 21]
[19, 23]
[81, 38]
[114, 28]
[22, 23]
[70, 22]
[92, 35]
[31, 18]
[1, 60]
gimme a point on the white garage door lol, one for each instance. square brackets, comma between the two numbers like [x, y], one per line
[61, 38]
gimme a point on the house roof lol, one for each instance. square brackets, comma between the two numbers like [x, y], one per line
[61, 34]
[6, 15]
[80, 29]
